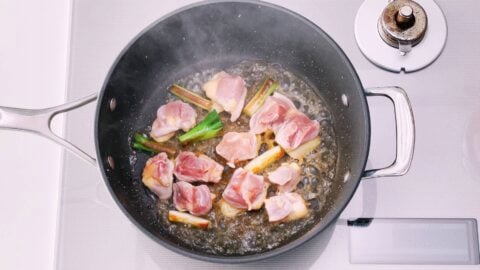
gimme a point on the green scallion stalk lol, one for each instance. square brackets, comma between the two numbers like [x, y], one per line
[143, 143]
[208, 128]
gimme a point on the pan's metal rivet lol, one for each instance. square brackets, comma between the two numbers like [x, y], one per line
[113, 104]
[346, 176]
[110, 162]
[345, 100]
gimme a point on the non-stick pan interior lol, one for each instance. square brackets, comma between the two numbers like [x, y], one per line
[219, 34]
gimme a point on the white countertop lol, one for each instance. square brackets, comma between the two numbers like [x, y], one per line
[33, 65]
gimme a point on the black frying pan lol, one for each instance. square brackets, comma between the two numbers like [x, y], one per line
[218, 35]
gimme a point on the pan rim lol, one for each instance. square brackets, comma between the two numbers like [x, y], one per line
[314, 231]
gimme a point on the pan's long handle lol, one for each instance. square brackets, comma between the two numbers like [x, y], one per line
[405, 127]
[38, 121]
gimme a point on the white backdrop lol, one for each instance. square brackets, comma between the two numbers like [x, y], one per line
[33, 65]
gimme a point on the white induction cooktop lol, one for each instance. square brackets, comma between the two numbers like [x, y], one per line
[444, 180]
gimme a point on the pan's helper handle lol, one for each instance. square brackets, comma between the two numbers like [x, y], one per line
[39, 121]
[405, 131]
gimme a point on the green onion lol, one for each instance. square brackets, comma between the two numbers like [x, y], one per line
[266, 89]
[143, 143]
[190, 97]
[208, 128]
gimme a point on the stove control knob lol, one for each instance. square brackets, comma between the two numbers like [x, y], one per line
[403, 24]
[405, 18]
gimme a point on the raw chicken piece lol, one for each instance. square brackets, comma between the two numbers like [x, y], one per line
[171, 117]
[285, 206]
[245, 190]
[158, 175]
[228, 92]
[278, 208]
[191, 168]
[286, 176]
[271, 114]
[238, 146]
[291, 127]
[194, 199]
[295, 130]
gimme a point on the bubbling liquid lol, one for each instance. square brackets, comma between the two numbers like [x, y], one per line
[250, 232]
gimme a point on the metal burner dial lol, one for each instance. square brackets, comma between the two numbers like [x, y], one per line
[394, 34]
[402, 24]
